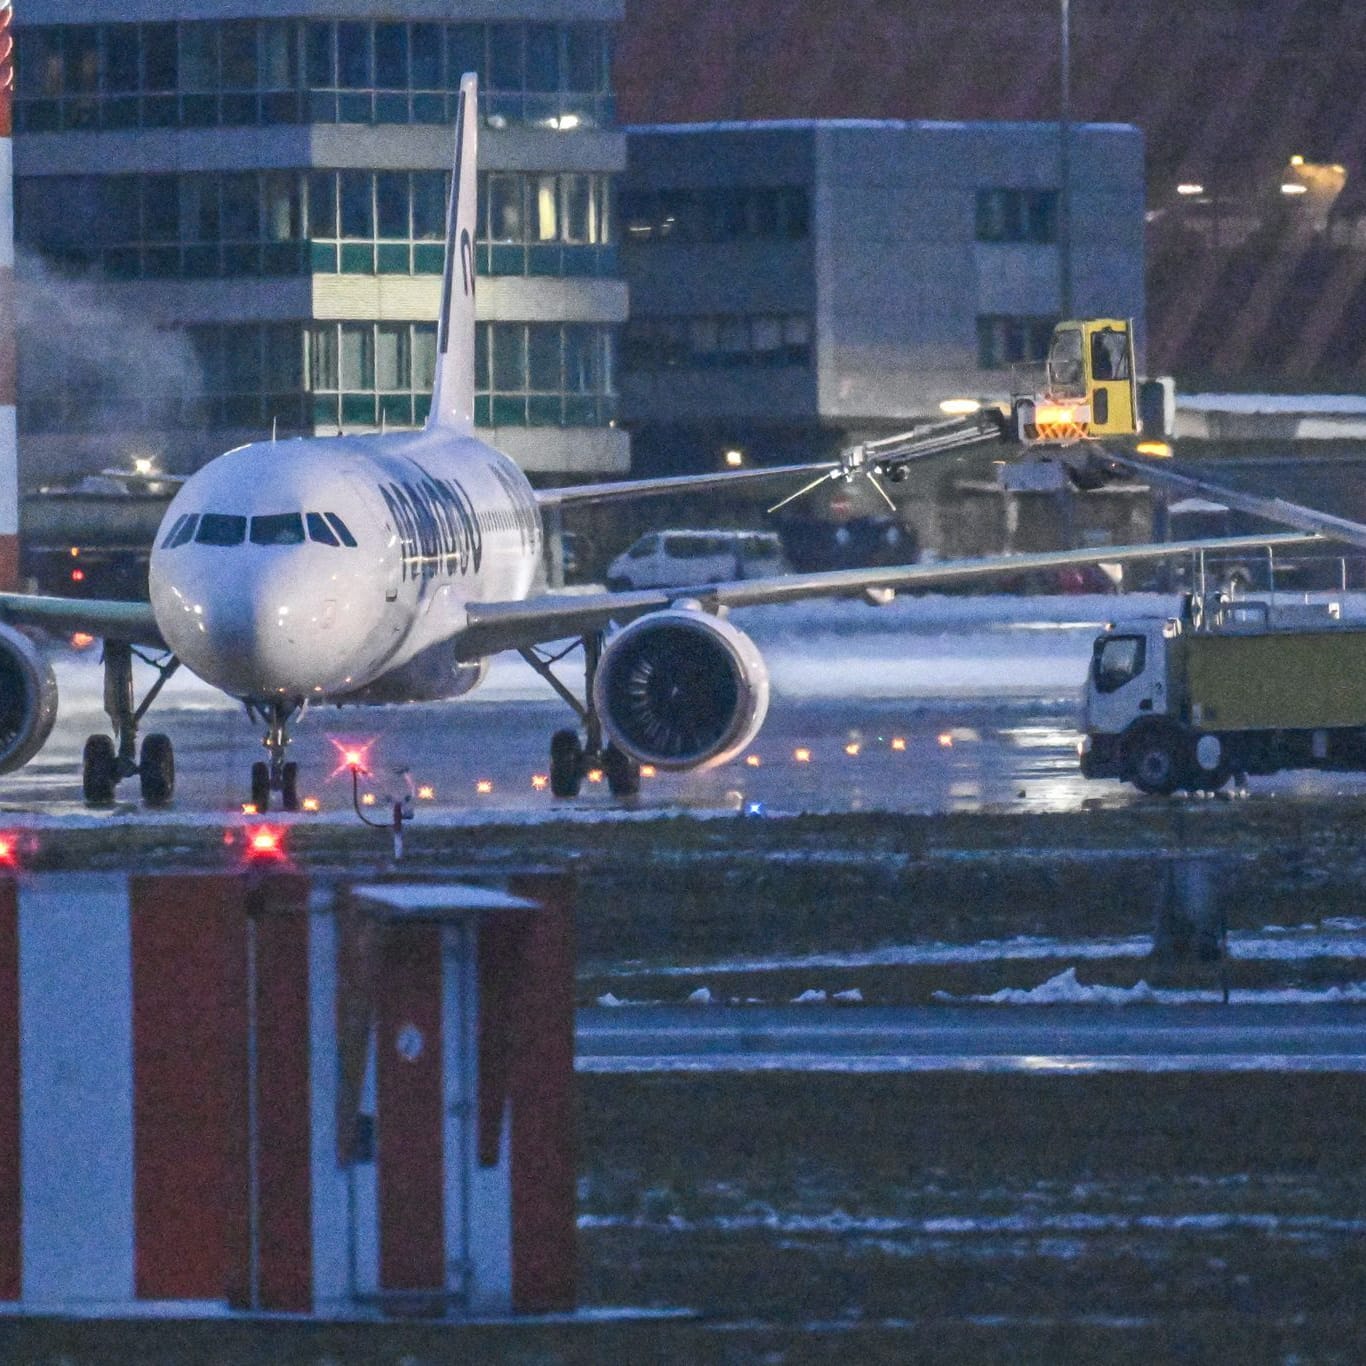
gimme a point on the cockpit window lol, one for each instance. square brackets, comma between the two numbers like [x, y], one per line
[180, 532]
[337, 525]
[219, 528]
[318, 530]
[185, 534]
[280, 528]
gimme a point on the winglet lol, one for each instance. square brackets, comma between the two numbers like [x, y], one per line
[453, 391]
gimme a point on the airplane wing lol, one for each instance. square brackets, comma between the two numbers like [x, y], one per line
[129, 621]
[1173, 477]
[495, 626]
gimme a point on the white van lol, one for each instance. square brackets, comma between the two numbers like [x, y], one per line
[668, 559]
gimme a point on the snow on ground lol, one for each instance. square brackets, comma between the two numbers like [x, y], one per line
[1291, 946]
[1065, 989]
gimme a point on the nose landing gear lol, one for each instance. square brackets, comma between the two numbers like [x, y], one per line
[106, 761]
[277, 775]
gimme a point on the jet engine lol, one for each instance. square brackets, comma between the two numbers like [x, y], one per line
[681, 689]
[28, 700]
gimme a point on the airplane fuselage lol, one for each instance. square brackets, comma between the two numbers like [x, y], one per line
[314, 567]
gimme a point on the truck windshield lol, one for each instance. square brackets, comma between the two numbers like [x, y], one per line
[1118, 659]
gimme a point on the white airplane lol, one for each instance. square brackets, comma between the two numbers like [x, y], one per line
[390, 567]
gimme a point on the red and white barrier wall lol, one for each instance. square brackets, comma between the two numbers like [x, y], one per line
[230, 1093]
[9, 436]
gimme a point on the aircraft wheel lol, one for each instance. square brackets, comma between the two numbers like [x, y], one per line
[623, 773]
[260, 786]
[156, 771]
[1156, 759]
[289, 787]
[566, 763]
[99, 771]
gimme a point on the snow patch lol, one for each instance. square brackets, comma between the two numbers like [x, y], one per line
[810, 997]
[1065, 989]
[700, 997]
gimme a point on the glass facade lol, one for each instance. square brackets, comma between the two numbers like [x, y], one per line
[1005, 215]
[717, 341]
[324, 376]
[322, 222]
[247, 72]
[1004, 340]
[731, 214]
[544, 374]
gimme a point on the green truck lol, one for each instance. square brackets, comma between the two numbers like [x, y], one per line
[1190, 702]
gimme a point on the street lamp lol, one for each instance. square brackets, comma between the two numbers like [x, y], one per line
[1065, 159]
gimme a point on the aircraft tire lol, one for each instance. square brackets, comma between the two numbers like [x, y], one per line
[156, 770]
[566, 763]
[289, 787]
[623, 773]
[260, 786]
[99, 771]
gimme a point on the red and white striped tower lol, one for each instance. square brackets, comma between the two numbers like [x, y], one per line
[9, 437]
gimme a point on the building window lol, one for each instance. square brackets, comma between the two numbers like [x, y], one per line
[733, 214]
[271, 71]
[1017, 215]
[544, 223]
[293, 222]
[717, 341]
[544, 375]
[366, 374]
[1004, 340]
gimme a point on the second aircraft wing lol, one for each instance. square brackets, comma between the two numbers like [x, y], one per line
[495, 626]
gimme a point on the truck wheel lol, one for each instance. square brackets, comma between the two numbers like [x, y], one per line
[1156, 760]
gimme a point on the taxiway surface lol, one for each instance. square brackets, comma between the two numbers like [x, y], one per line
[929, 705]
[1070, 1039]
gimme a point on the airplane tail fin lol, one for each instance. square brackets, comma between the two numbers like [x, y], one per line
[453, 390]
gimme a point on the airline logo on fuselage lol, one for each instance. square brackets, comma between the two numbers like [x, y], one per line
[436, 525]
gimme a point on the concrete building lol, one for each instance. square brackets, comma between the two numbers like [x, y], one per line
[232, 222]
[798, 284]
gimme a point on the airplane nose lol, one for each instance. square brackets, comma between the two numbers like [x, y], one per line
[261, 631]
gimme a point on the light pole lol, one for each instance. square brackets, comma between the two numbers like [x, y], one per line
[1065, 159]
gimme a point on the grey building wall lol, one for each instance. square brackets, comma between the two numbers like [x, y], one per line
[890, 272]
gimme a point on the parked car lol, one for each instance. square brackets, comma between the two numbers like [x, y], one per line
[669, 559]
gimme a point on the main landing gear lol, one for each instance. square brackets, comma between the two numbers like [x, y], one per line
[573, 756]
[106, 760]
[275, 775]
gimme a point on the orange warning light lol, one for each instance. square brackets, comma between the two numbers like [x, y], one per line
[483, 787]
[82, 640]
[802, 756]
[595, 775]
[753, 760]
[647, 770]
[540, 782]
[852, 748]
[946, 740]
[899, 743]
[9, 851]
[249, 809]
[310, 804]
[426, 793]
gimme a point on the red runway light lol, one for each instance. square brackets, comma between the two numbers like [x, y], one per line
[353, 756]
[265, 842]
[9, 853]
[77, 575]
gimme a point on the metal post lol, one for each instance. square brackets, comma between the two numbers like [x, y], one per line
[1065, 160]
[253, 1122]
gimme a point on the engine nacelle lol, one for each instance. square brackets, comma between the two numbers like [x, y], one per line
[681, 690]
[28, 700]
[435, 675]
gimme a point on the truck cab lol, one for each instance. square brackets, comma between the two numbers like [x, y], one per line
[1127, 687]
